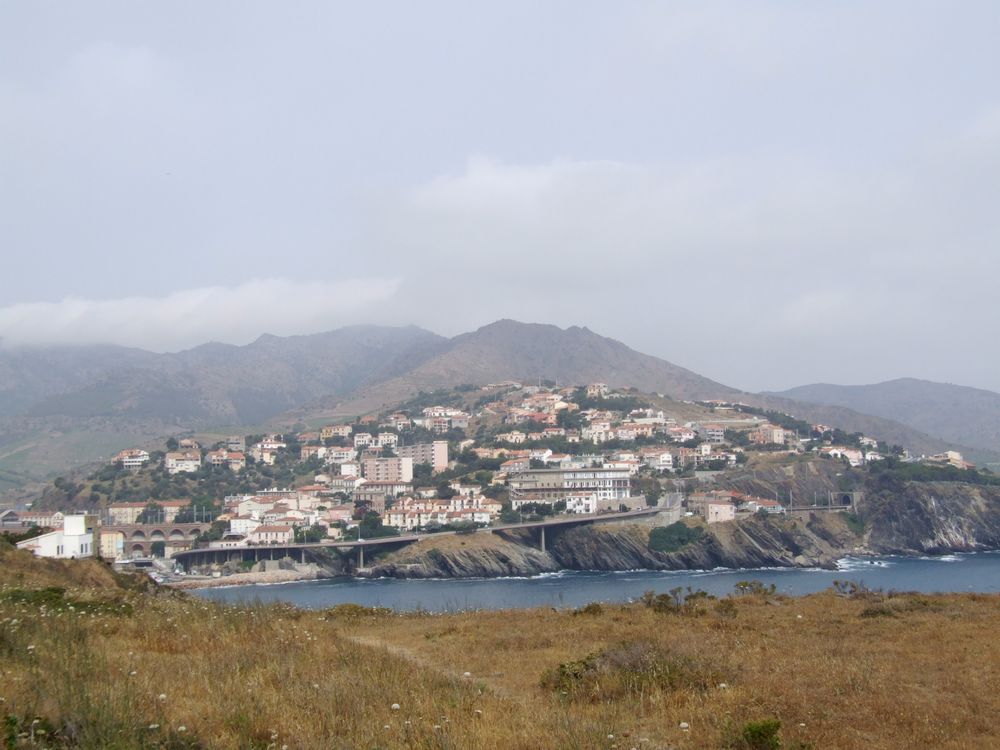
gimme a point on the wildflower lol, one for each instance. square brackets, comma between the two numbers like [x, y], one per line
[394, 706]
[386, 726]
[467, 674]
[163, 696]
[154, 726]
[182, 729]
[685, 726]
[31, 647]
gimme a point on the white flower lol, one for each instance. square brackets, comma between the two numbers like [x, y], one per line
[684, 725]
[154, 726]
[182, 728]
[163, 696]
[394, 706]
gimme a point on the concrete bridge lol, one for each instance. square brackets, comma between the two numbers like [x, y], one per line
[138, 538]
[300, 552]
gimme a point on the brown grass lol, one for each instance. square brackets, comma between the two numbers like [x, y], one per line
[919, 672]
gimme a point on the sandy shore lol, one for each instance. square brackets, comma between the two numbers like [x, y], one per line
[245, 579]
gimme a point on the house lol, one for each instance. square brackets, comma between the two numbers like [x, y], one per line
[768, 434]
[9, 519]
[308, 451]
[131, 458]
[243, 525]
[129, 513]
[342, 431]
[387, 439]
[515, 465]
[233, 460]
[183, 461]
[236, 443]
[712, 433]
[598, 390]
[42, 519]
[75, 539]
[717, 511]
[363, 439]
[515, 437]
[271, 534]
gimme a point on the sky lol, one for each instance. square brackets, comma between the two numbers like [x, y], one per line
[770, 194]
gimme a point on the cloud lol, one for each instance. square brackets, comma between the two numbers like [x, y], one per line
[758, 270]
[189, 317]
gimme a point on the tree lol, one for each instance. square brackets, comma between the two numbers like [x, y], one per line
[158, 549]
[171, 443]
[445, 492]
[422, 472]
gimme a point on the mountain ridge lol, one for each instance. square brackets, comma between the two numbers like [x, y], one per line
[51, 400]
[957, 413]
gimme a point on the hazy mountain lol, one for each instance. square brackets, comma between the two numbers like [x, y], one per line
[960, 414]
[221, 383]
[509, 350]
[64, 407]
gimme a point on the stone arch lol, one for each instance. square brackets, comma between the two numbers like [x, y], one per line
[138, 534]
[194, 533]
[157, 535]
[177, 535]
[141, 549]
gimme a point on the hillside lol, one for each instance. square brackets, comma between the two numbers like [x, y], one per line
[510, 350]
[68, 406]
[968, 416]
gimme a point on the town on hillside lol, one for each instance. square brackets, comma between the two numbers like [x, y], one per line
[473, 457]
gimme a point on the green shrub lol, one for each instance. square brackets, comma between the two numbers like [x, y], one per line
[673, 537]
[759, 735]
[594, 608]
[628, 670]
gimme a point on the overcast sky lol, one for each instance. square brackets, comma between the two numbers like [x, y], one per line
[768, 193]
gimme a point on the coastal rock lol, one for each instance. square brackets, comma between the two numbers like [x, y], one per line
[464, 556]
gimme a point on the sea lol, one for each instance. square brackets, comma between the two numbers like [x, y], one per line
[972, 572]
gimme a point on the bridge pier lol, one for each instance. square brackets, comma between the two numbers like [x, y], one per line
[542, 538]
[361, 556]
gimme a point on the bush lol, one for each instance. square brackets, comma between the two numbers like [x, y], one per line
[628, 670]
[755, 588]
[673, 537]
[594, 608]
[759, 735]
[726, 608]
[679, 600]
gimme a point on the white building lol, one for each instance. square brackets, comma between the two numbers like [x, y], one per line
[75, 539]
[177, 462]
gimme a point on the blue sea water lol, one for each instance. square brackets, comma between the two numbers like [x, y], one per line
[978, 572]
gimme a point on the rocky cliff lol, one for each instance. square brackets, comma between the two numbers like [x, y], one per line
[932, 517]
[892, 517]
[751, 543]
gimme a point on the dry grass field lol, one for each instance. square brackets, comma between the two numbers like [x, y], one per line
[110, 662]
